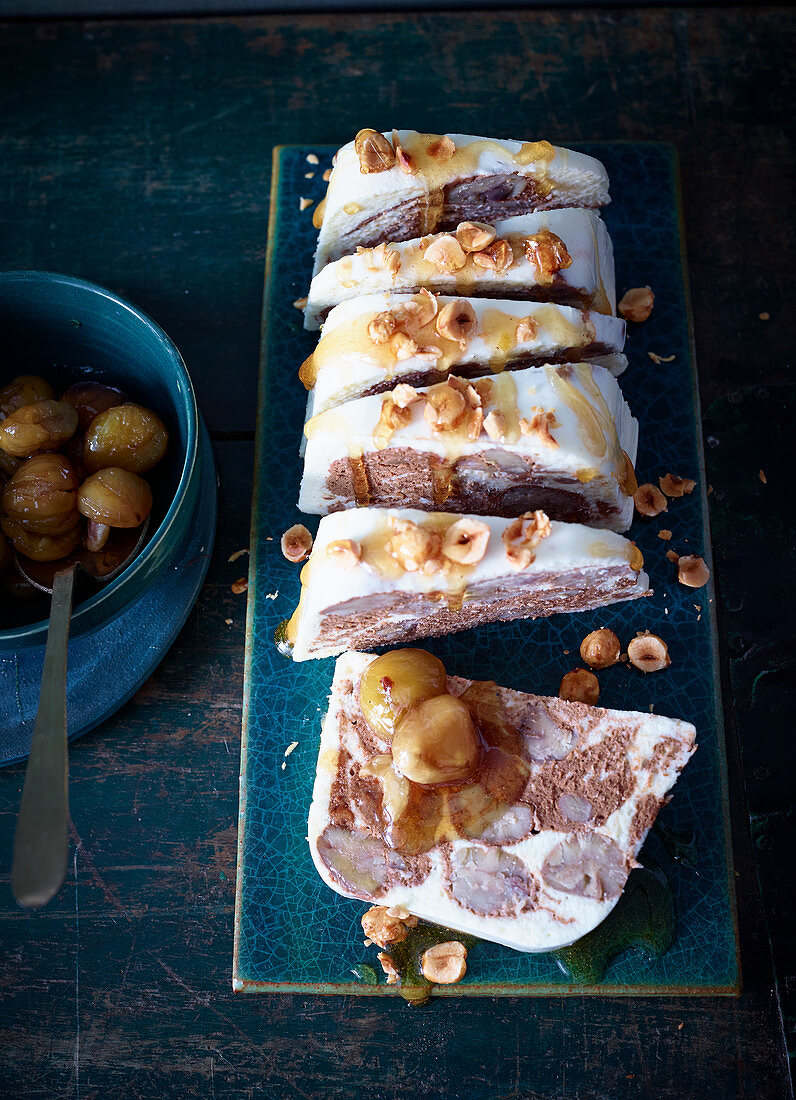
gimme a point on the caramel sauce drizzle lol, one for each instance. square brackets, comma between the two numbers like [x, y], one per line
[464, 161]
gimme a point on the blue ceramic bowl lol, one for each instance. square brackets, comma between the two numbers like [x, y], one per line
[66, 329]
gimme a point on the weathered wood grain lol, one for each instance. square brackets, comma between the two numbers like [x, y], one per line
[138, 154]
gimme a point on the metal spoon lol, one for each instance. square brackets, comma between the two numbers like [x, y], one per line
[41, 843]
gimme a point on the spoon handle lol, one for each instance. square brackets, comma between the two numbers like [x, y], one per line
[41, 842]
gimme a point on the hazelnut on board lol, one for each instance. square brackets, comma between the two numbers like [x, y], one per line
[636, 304]
[296, 542]
[384, 926]
[648, 652]
[600, 649]
[692, 571]
[580, 686]
[649, 501]
[445, 963]
[675, 486]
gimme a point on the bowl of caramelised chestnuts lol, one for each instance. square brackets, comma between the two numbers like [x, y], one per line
[98, 435]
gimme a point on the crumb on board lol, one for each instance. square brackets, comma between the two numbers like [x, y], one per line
[238, 554]
[327, 175]
[764, 316]
[293, 745]
[272, 595]
[240, 585]
[762, 475]
[228, 622]
[309, 175]
[664, 534]
[660, 358]
[304, 203]
[312, 158]
[300, 303]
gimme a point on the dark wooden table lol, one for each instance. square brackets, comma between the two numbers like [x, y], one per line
[137, 154]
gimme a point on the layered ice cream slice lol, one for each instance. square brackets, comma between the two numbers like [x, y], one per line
[563, 256]
[399, 185]
[379, 577]
[370, 344]
[512, 817]
[559, 438]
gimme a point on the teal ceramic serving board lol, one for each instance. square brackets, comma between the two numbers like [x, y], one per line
[293, 934]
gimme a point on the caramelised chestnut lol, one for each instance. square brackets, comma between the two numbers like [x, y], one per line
[42, 495]
[23, 390]
[115, 498]
[128, 436]
[90, 399]
[40, 547]
[396, 682]
[42, 426]
[436, 742]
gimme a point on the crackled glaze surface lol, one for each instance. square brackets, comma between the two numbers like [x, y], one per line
[292, 932]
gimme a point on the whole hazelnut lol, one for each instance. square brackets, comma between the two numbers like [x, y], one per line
[444, 963]
[636, 304]
[692, 571]
[649, 501]
[648, 652]
[580, 686]
[600, 649]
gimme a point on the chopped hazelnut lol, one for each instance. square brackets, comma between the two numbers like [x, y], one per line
[403, 346]
[239, 586]
[327, 175]
[381, 327]
[692, 571]
[388, 966]
[474, 236]
[442, 149]
[496, 257]
[649, 501]
[526, 330]
[675, 486]
[429, 352]
[374, 151]
[523, 536]
[344, 552]
[444, 963]
[636, 304]
[296, 543]
[465, 541]
[456, 321]
[312, 158]
[392, 261]
[383, 926]
[600, 649]
[404, 161]
[580, 686]
[445, 253]
[540, 425]
[495, 426]
[413, 546]
[392, 418]
[415, 312]
[304, 203]
[300, 303]
[404, 395]
[672, 555]
[648, 652]
[664, 534]
[548, 253]
[445, 407]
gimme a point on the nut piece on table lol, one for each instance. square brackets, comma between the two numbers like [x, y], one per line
[383, 925]
[636, 304]
[580, 686]
[374, 151]
[692, 571]
[600, 649]
[648, 652]
[649, 501]
[296, 543]
[445, 963]
[675, 486]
